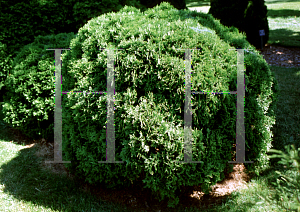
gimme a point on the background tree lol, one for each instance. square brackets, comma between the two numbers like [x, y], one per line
[178, 4]
[248, 16]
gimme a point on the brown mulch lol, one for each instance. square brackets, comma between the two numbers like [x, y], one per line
[287, 57]
[138, 199]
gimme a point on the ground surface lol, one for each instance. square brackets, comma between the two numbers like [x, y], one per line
[281, 56]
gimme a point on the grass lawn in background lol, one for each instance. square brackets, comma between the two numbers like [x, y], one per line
[26, 186]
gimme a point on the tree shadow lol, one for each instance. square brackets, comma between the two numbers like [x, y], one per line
[21, 172]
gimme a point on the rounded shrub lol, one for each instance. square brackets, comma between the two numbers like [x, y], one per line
[149, 100]
[29, 100]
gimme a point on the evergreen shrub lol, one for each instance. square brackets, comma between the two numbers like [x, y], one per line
[22, 21]
[248, 16]
[29, 100]
[5, 67]
[149, 100]
[256, 19]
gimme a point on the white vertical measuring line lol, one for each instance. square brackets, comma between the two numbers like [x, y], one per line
[240, 128]
[110, 128]
[240, 123]
[57, 110]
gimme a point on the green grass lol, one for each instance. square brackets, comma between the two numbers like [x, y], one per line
[24, 186]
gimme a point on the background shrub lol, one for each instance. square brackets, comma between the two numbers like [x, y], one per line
[5, 67]
[178, 4]
[23, 21]
[248, 16]
[29, 100]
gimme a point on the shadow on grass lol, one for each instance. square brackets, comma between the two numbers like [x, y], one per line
[25, 180]
[26, 177]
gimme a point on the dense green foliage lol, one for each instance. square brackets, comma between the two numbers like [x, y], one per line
[148, 123]
[5, 67]
[22, 21]
[259, 192]
[29, 101]
[248, 16]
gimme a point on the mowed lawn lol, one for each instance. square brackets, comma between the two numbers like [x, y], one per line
[25, 186]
